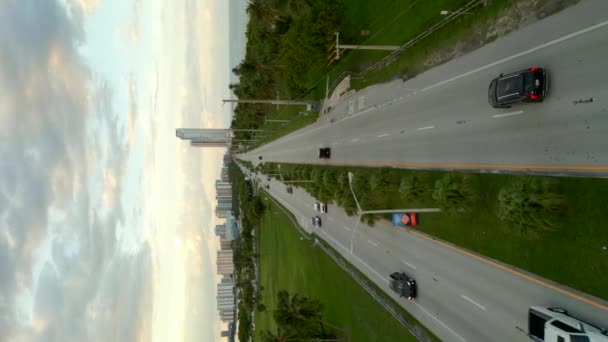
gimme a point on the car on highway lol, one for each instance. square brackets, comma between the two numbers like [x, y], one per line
[316, 221]
[528, 85]
[260, 157]
[289, 190]
[320, 207]
[324, 152]
[403, 285]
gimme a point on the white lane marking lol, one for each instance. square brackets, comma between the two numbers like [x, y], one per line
[407, 263]
[423, 128]
[355, 140]
[345, 227]
[523, 53]
[438, 321]
[474, 302]
[372, 243]
[383, 135]
[507, 114]
[380, 276]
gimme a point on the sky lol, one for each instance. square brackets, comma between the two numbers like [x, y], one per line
[106, 225]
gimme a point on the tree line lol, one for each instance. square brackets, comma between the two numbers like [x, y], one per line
[286, 39]
[528, 205]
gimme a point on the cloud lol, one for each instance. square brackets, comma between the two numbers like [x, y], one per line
[43, 107]
[64, 158]
[132, 27]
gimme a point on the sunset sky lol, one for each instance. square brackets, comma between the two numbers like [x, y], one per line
[106, 225]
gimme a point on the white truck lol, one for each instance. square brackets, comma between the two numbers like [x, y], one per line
[557, 325]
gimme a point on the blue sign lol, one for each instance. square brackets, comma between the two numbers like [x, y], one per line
[404, 219]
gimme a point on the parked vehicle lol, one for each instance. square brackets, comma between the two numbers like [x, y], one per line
[316, 221]
[557, 325]
[528, 85]
[403, 285]
[320, 207]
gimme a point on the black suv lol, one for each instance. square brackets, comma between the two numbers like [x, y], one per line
[403, 285]
[528, 85]
[324, 152]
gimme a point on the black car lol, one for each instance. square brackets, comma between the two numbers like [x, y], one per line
[324, 152]
[289, 190]
[316, 221]
[260, 157]
[528, 85]
[403, 285]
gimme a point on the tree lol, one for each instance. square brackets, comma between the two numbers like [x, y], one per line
[412, 188]
[529, 205]
[454, 193]
[300, 314]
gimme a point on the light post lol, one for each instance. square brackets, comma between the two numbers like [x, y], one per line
[382, 211]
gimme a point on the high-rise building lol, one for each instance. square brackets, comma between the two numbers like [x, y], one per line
[225, 244]
[221, 213]
[224, 175]
[204, 137]
[225, 264]
[219, 184]
[220, 230]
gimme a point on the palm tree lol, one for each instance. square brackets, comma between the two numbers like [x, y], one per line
[528, 204]
[411, 188]
[454, 193]
[262, 12]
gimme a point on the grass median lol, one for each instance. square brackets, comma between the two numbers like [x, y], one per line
[288, 261]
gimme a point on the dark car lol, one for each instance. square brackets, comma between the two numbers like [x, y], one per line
[324, 152]
[290, 190]
[260, 157]
[403, 285]
[528, 85]
[267, 186]
[316, 221]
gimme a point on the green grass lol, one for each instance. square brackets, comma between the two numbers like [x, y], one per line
[298, 120]
[290, 263]
[572, 254]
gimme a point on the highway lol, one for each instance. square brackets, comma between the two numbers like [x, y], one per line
[461, 296]
[441, 119]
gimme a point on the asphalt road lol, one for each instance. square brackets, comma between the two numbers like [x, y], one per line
[441, 119]
[462, 297]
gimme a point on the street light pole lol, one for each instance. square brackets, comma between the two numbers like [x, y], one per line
[382, 211]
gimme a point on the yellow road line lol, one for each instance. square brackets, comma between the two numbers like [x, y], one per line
[514, 272]
[536, 167]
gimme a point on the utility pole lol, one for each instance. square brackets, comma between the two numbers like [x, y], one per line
[361, 47]
[308, 103]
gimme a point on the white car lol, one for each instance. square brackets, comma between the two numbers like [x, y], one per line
[320, 207]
